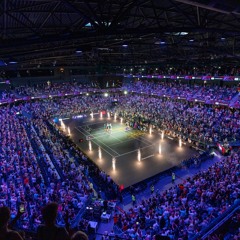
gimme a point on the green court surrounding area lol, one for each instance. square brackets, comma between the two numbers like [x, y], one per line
[127, 155]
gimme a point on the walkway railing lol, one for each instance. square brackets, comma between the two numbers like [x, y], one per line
[217, 223]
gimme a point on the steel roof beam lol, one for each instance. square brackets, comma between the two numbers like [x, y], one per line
[196, 4]
[130, 32]
[81, 13]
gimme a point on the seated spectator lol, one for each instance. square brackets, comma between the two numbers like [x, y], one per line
[5, 232]
[50, 231]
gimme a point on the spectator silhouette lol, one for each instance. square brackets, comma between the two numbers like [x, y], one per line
[50, 231]
[159, 237]
[79, 235]
[5, 232]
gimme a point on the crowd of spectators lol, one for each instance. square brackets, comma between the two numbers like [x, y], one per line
[68, 107]
[190, 71]
[46, 89]
[170, 89]
[18, 164]
[53, 88]
[187, 208]
[217, 94]
[193, 122]
[209, 94]
[38, 165]
[6, 94]
[49, 230]
[236, 104]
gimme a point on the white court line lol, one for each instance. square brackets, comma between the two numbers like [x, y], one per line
[96, 143]
[120, 141]
[140, 138]
[117, 138]
[134, 150]
[106, 134]
[100, 134]
[103, 133]
[148, 157]
[130, 139]
[101, 143]
[109, 147]
[147, 142]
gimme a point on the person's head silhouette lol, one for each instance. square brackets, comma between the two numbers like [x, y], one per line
[5, 216]
[49, 213]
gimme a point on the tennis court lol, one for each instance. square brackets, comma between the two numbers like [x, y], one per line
[127, 155]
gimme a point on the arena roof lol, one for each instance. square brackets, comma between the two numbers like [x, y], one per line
[118, 32]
